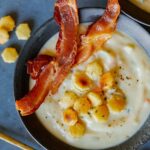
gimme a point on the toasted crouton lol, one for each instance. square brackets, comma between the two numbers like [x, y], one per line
[7, 23]
[23, 31]
[4, 36]
[9, 55]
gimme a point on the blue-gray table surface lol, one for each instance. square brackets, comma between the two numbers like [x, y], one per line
[36, 12]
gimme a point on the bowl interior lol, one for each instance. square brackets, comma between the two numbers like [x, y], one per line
[31, 49]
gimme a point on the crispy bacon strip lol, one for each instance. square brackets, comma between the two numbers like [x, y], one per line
[55, 72]
[66, 23]
[99, 32]
[35, 66]
[30, 102]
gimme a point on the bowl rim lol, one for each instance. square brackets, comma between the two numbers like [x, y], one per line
[128, 8]
[14, 84]
[15, 75]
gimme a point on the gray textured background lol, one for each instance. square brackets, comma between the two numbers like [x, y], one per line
[36, 12]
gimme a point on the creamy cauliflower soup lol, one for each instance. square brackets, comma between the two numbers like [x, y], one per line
[84, 115]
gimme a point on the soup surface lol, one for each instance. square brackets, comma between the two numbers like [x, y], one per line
[111, 118]
[143, 4]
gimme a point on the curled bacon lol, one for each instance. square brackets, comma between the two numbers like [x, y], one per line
[55, 72]
[35, 66]
[67, 17]
[99, 32]
[30, 102]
